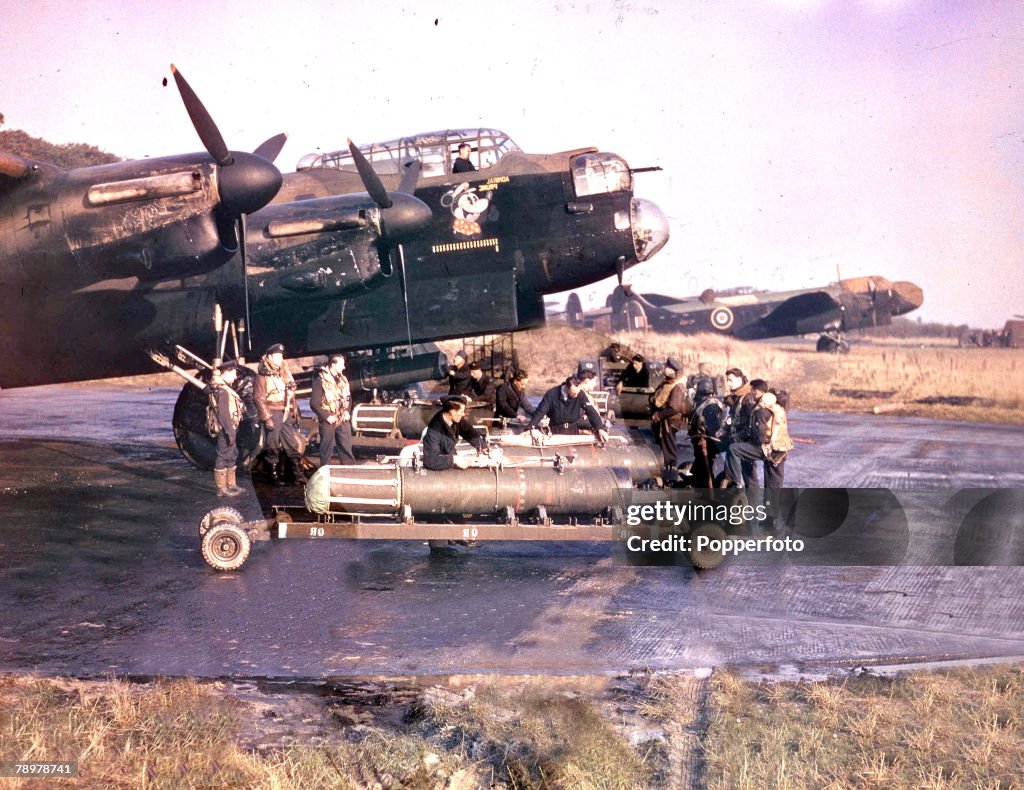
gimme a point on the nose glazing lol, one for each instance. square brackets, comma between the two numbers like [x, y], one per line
[650, 228]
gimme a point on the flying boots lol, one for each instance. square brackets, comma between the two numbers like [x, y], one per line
[231, 480]
[220, 479]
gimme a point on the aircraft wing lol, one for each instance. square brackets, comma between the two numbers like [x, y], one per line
[811, 311]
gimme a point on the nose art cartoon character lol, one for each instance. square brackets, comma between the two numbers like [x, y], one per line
[467, 207]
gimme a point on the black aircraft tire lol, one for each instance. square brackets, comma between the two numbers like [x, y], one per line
[219, 515]
[826, 345]
[196, 445]
[705, 559]
[226, 547]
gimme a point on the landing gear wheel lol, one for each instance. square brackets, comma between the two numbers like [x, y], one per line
[189, 424]
[226, 547]
[219, 515]
[831, 344]
[705, 558]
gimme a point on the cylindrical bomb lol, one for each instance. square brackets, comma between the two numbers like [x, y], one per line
[640, 461]
[385, 490]
[407, 419]
[366, 374]
[634, 404]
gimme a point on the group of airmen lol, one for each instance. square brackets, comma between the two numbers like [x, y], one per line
[564, 409]
[277, 408]
[744, 425]
[733, 423]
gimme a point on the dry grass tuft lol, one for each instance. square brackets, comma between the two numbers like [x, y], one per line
[963, 728]
[181, 733]
[953, 729]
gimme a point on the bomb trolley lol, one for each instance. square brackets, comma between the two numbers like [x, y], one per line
[394, 502]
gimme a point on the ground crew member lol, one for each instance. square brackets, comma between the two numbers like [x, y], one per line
[636, 374]
[459, 381]
[478, 382]
[565, 407]
[331, 400]
[701, 385]
[274, 394]
[510, 398]
[588, 380]
[668, 408]
[740, 402]
[443, 433]
[705, 430]
[228, 409]
[768, 441]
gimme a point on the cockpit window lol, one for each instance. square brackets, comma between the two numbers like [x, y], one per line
[596, 174]
[436, 151]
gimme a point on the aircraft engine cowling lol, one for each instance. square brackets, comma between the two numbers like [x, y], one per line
[329, 247]
[157, 219]
[124, 220]
[319, 265]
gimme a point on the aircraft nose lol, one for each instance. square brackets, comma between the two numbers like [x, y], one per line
[911, 296]
[406, 216]
[650, 228]
[247, 184]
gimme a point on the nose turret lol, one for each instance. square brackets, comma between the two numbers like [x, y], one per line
[650, 228]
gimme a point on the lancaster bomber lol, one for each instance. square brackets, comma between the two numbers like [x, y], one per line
[366, 248]
[744, 313]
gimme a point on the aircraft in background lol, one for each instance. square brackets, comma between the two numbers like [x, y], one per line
[746, 314]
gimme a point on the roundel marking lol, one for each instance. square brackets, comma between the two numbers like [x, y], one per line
[721, 318]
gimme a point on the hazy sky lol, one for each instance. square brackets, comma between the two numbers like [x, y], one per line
[877, 136]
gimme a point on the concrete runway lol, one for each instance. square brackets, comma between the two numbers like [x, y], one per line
[100, 569]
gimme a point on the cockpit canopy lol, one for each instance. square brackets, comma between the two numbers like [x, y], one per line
[436, 151]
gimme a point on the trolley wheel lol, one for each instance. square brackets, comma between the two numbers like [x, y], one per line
[226, 547]
[705, 558]
[219, 515]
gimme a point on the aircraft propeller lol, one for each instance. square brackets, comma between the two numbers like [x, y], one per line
[269, 149]
[402, 214]
[246, 182]
[397, 220]
[369, 177]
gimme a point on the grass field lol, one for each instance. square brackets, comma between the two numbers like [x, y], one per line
[994, 377]
[950, 729]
